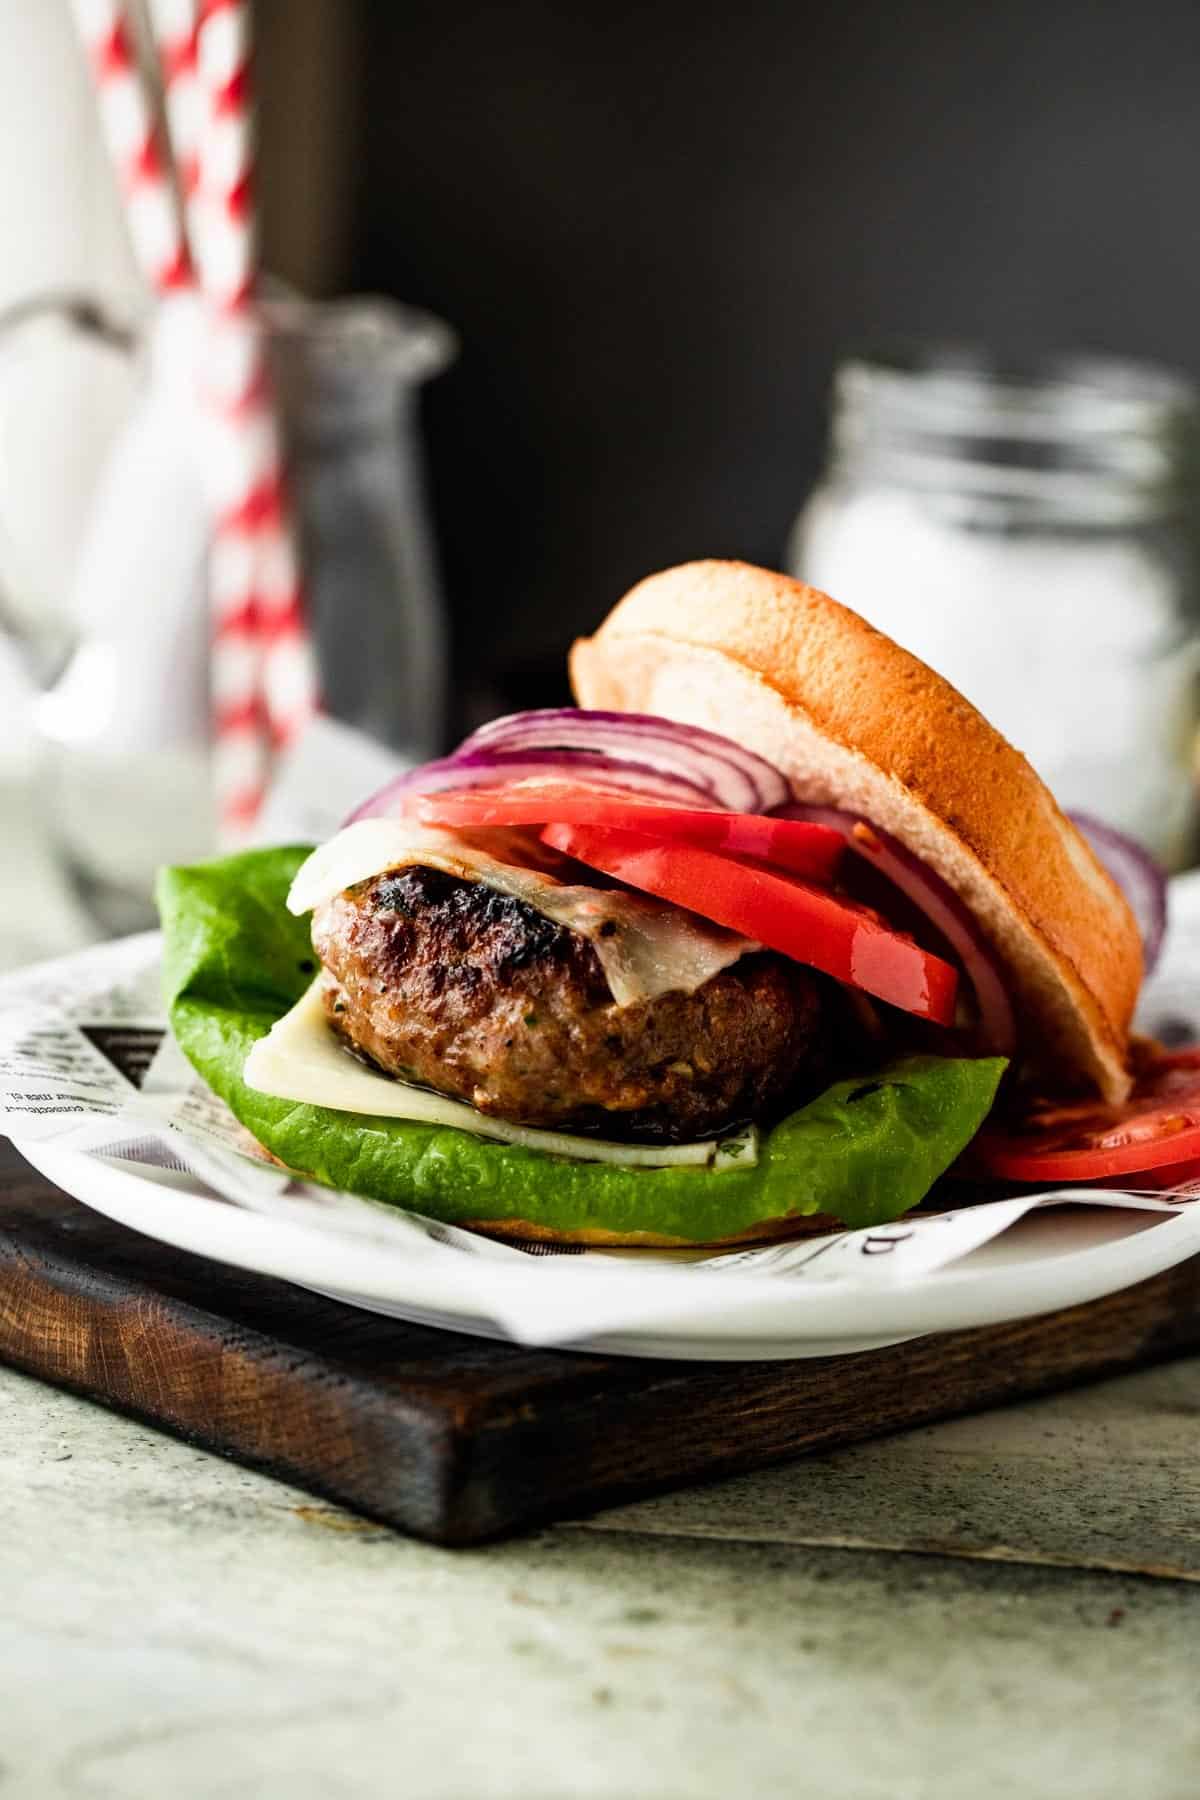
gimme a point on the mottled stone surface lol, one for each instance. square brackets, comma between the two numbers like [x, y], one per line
[171, 1624]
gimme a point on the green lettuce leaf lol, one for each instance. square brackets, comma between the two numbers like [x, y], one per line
[866, 1150]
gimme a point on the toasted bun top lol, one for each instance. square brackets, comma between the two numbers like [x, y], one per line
[854, 721]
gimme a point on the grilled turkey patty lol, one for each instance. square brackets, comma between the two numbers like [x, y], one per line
[474, 993]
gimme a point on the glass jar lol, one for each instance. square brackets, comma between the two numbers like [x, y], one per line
[1027, 531]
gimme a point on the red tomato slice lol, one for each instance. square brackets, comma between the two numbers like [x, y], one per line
[810, 924]
[812, 850]
[1157, 1129]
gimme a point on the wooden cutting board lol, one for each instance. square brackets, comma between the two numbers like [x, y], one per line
[457, 1439]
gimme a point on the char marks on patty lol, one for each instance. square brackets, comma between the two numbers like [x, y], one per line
[477, 994]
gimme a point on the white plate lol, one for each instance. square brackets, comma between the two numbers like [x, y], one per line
[638, 1303]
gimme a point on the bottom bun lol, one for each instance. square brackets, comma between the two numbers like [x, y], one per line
[524, 1231]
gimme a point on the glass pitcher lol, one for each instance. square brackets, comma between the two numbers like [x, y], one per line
[125, 725]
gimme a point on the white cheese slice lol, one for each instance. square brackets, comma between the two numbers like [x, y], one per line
[645, 946]
[301, 1059]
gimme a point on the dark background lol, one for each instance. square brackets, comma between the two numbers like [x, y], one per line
[655, 228]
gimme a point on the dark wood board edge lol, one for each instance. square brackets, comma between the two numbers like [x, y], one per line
[456, 1440]
[225, 1387]
[722, 1419]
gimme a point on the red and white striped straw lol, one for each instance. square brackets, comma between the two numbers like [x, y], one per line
[241, 733]
[130, 125]
[228, 224]
[176, 25]
[264, 672]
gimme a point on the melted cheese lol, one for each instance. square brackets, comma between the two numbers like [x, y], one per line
[646, 947]
[302, 1060]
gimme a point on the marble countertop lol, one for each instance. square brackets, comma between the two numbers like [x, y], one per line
[1005, 1605]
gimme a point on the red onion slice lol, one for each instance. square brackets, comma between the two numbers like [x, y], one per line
[654, 758]
[1142, 880]
[730, 776]
[450, 774]
[940, 905]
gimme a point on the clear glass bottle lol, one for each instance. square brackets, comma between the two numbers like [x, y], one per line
[349, 375]
[1028, 531]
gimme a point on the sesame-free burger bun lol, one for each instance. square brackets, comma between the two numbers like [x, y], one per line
[856, 722]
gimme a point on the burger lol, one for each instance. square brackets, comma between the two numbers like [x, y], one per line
[767, 934]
